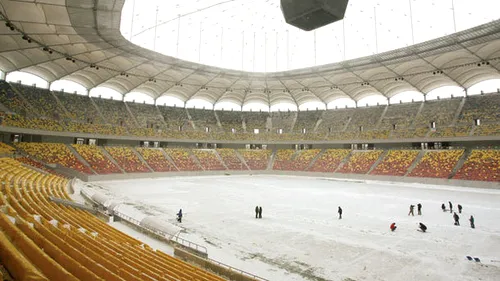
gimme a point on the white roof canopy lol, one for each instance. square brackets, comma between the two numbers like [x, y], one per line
[88, 32]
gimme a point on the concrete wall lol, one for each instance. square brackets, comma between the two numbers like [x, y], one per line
[448, 182]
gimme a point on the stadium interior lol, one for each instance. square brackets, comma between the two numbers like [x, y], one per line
[50, 136]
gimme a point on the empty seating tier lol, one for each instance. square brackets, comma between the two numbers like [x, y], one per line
[437, 164]
[53, 153]
[481, 165]
[182, 159]
[396, 163]
[208, 160]
[231, 159]
[360, 162]
[329, 160]
[127, 159]
[156, 159]
[256, 159]
[96, 159]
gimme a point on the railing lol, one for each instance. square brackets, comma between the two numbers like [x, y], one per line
[163, 234]
[189, 244]
[242, 272]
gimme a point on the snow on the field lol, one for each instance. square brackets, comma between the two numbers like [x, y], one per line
[301, 238]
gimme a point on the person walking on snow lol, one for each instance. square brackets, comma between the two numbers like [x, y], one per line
[256, 212]
[411, 210]
[260, 212]
[419, 209]
[472, 225]
[456, 218]
[451, 206]
[459, 208]
[393, 226]
[179, 216]
[340, 213]
[443, 207]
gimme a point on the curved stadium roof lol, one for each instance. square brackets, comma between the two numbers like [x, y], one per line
[88, 32]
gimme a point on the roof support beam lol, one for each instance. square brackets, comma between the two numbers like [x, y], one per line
[436, 68]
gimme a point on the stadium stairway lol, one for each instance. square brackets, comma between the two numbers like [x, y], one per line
[415, 162]
[161, 117]
[30, 108]
[345, 160]
[3, 108]
[59, 103]
[141, 158]
[457, 113]
[194, 158]
[381, 117]
[242, 159]
[460, 163]
[80, 158]
[169, 159]
[380, 158]
[270, 164]
[132, 116]
[105, 152]
[412, 125]
[471, 133]
[98, 110]
[314, 159]
[220, 159]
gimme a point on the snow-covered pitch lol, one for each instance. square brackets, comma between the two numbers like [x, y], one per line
[301, 238]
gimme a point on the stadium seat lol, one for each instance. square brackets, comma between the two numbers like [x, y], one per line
[255, 159]
[53, 153]
[481, 165]
[360, 162]
[437, 164]
[156, 160]
[96, 159]
[208, 159]
[231, 159]
[182, 159]
[396, 163]
[127, 159]
[329, 160]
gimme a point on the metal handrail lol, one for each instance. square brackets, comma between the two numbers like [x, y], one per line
[163, 234]
[242, 272]
[190, 244]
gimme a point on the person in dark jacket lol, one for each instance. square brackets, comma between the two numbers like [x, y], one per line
[419, 209]
[451, 206]
[422, 227]
[256, 212]
[411, 210]
[340, 213]
[472, 225]
[443, 207]
[456, 218]
[459, 208]
[179, 216]
[260, 212]
[393, 226]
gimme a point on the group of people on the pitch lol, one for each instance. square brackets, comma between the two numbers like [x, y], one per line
[456, 218]
[423, 227]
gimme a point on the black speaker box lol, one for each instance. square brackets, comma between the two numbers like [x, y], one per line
[312, 14]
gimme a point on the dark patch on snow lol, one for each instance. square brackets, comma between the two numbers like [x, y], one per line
[297, 267]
